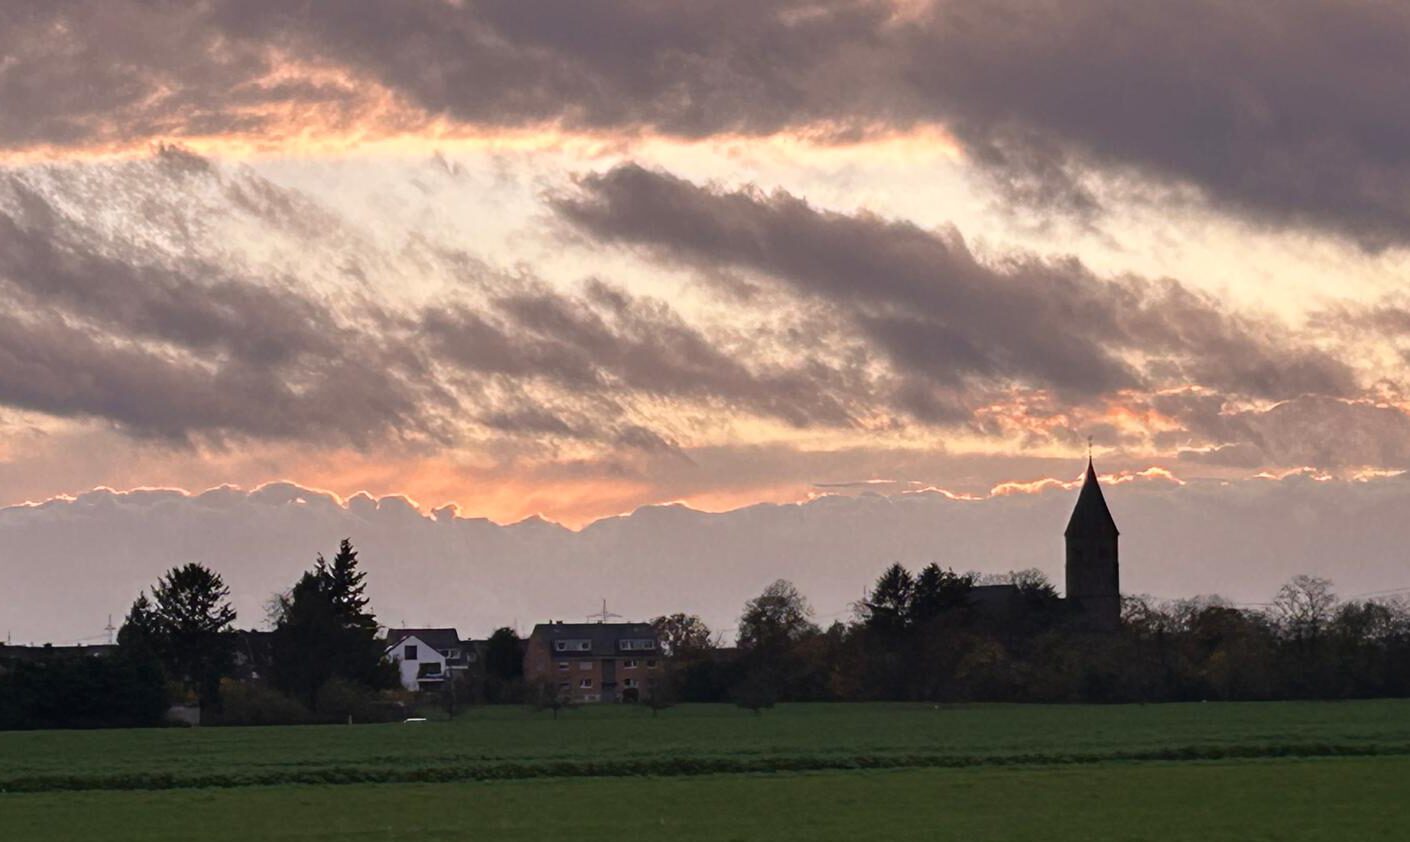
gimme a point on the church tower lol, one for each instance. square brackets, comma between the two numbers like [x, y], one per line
[1093, 576]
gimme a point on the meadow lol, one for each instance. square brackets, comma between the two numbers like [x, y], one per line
[506, 742]
[1324, 800]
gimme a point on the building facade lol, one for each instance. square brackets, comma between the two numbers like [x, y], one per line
[595, 662]
[428, 658]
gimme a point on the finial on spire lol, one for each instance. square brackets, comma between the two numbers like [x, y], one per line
[1089, 451]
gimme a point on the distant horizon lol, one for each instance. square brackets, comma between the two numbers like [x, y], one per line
[1239, 541]
[471, 252]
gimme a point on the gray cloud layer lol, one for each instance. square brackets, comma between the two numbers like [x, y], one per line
[1291, 114]
[1239, 540]
[854, 322]
[956, 328]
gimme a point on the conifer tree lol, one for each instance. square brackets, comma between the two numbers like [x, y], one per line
[190, 621]
[324, 631]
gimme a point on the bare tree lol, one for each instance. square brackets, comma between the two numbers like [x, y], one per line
[1304, 607]
[546, 695]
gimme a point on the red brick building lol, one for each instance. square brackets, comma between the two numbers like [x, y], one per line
[595, 662]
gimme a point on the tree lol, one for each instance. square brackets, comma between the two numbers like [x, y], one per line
[345, 585]
[191, 621]
[504, 666]
[1304, 607]
[137, 637]
[503, 656]
[683, 636]
[660, 693]
[887, 609]
[323, 631]
[547, 695]
[776, 619]
[937, 591]
[757, 692]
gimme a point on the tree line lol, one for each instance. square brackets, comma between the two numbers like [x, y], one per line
[934, 636]
[928, 637]
[179, 646]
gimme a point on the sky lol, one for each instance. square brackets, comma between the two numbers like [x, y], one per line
[506, 268]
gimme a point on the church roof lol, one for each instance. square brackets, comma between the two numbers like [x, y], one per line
[1090, 515]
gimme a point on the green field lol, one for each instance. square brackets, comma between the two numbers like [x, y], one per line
[509, 742]
[888, 771]
[1332, 799]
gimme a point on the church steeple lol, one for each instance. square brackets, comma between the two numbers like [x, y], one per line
[1091, 516]
[1093, 573]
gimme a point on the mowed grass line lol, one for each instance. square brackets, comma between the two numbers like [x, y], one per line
[1295, 801]
[509, 743]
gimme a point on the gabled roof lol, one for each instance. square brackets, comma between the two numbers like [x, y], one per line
[1091, 516]
[604, 636]
[439, 639]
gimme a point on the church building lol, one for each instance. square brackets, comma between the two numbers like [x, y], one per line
[1093, 574]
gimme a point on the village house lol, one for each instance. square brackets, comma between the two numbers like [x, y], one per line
[595, 662]
[427, 658]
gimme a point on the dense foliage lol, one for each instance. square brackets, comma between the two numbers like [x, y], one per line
[81, 691]
[325, 638]
[939, 636]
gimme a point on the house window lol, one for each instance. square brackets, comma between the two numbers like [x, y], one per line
[637, 645]
[629, 683]
[563, 686]
[585, 684]
[629, 664]
[429, 669]
[584, 665]
[409, 653]
[572, 645]
[562, 666]
[651, 665]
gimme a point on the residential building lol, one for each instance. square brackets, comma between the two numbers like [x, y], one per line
[595, 662]
[427, 658]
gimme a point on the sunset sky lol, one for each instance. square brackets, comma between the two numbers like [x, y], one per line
[567, 258]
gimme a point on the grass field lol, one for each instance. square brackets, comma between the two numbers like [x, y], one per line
[509, 742]
[1335, 800]
[1287, 771]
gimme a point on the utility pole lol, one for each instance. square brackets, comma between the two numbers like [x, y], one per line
[604, 615]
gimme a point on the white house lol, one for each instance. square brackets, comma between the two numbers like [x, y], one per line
[427, 658]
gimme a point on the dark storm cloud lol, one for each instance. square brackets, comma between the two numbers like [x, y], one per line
[1294, 113]
[940, 314]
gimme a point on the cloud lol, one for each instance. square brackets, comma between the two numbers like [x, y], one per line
[956, 328]
[1241, 539]
[182, 300]
[206, 305]
[164, 342]
[1292, 118]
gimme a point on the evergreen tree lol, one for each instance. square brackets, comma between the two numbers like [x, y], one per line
[323, 631]
[345, 584]
[137, 637]
[190, 622]
[937, 591]
[887, 609]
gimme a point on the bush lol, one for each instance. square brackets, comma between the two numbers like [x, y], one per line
[82, 692]
[340, 700]
[248, 703]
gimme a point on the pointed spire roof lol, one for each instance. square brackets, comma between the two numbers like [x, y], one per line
[1090, 515]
